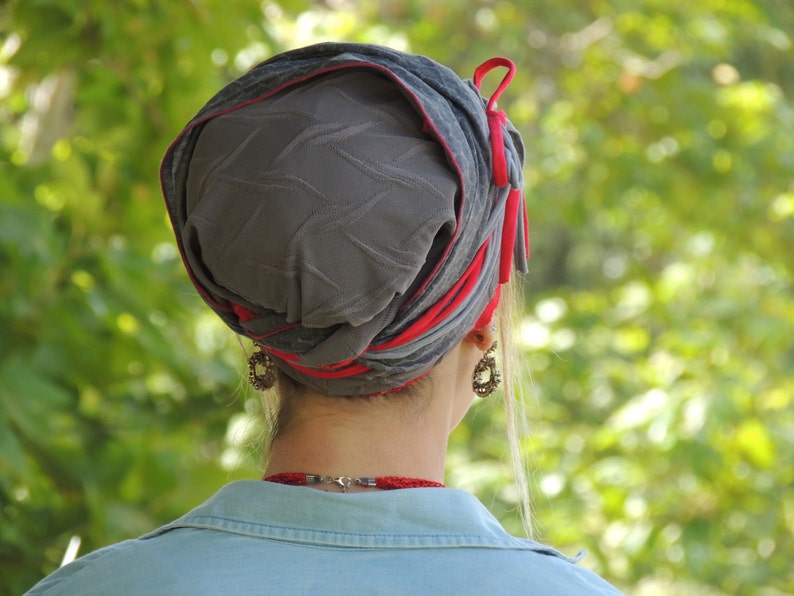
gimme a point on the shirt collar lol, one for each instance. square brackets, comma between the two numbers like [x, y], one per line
[410, 518]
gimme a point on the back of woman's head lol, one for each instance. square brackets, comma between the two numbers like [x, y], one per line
[351, 209]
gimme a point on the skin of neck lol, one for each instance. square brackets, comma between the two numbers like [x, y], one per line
[401, 434]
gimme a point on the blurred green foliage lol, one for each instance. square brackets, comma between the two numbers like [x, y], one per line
[659, 307]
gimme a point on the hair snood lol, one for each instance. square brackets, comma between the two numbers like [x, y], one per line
[352, 209]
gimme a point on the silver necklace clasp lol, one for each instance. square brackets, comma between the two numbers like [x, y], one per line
[343, 482]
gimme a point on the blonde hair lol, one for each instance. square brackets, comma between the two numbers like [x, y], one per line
[516, 420]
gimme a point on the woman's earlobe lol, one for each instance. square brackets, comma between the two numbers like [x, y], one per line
[483, 337]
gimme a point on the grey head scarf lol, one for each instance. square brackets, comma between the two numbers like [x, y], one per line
[350, 208]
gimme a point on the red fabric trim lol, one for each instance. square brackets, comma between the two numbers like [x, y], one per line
[286, 356]
[526, 225]
[258, 336]
[243, 314]
[508, 236]
[487, 315]
[349, 371]
[199, 288]
[401, 387]
[496, 121]
[442, 309]
[346, 370]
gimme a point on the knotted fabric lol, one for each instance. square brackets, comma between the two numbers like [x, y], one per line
[352, 209]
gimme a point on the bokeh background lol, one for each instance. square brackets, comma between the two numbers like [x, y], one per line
[659, 307]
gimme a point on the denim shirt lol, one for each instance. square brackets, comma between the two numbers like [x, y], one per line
[255, 537]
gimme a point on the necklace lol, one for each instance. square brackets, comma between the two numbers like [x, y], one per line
[345, 482]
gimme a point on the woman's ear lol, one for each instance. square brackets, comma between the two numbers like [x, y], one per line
[483, 337]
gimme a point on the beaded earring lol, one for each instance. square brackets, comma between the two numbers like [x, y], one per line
[484, 388]
[267, 379]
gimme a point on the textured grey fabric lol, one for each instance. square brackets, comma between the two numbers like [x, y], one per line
[319, 216]
[322, 202]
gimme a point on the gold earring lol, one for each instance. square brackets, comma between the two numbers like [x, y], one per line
[268, 377]
[486, 363]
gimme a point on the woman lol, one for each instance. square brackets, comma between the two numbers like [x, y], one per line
[354, 211]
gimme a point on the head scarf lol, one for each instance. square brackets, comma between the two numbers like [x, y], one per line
[352, 209]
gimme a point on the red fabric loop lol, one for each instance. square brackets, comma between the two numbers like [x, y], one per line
[486, 67]
[496, 118]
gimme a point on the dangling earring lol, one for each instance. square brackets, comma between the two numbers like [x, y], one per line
[486, 363]
[268, 377]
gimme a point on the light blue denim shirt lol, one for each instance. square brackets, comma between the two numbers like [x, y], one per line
[257, 537]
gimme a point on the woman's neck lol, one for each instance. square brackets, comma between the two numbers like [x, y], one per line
[396, 435]
[361, 439]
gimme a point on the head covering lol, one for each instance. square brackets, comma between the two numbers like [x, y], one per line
[352, 209]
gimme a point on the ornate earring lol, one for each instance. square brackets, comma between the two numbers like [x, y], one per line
[268, 377]
[484, 388]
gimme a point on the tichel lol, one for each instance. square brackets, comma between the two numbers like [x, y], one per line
[352, 209]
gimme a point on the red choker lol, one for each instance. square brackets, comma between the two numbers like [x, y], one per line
[345, 482]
